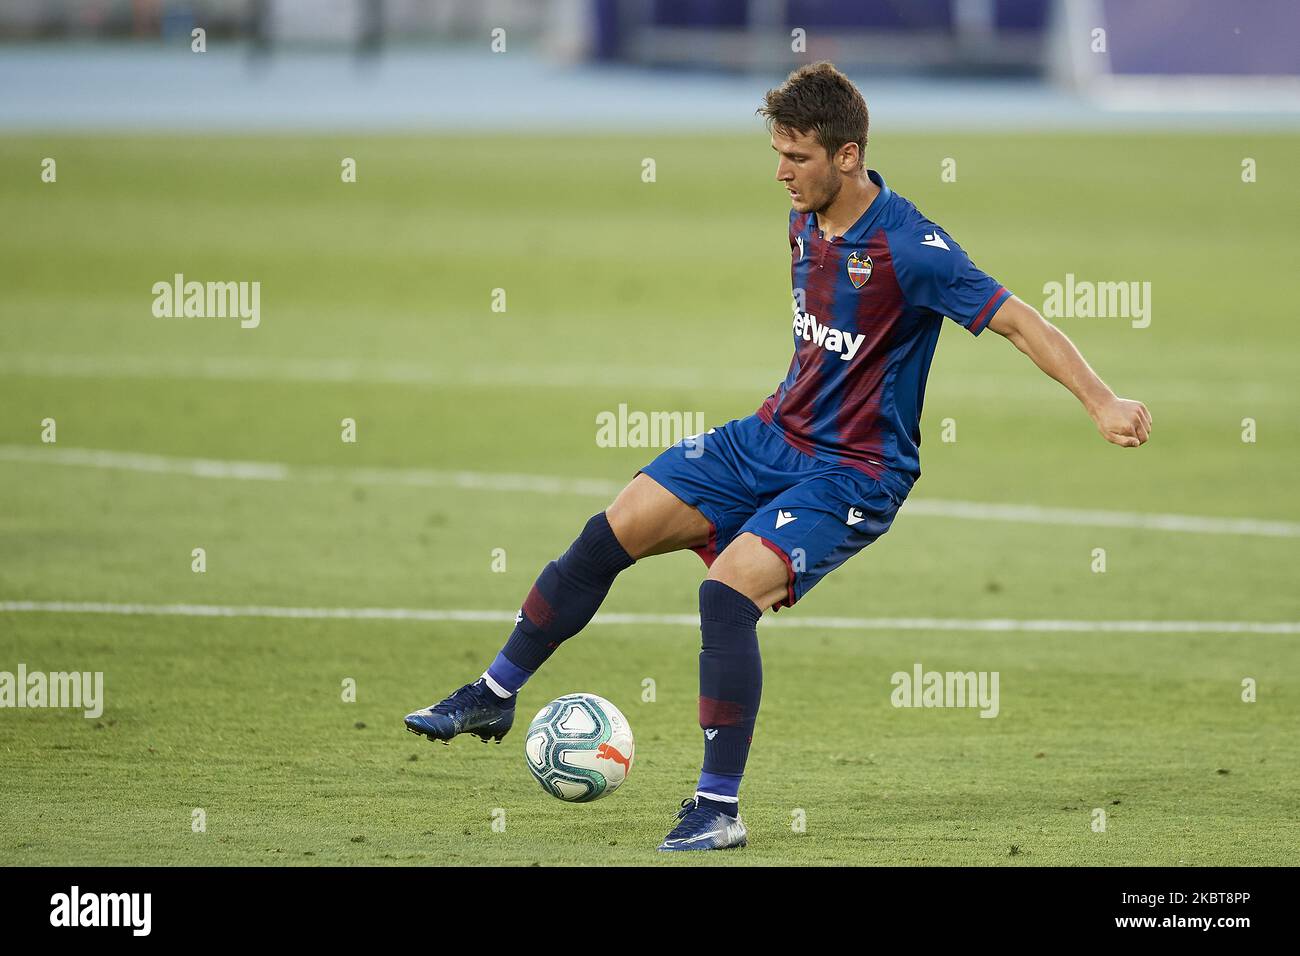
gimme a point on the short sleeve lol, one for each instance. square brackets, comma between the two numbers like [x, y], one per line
[935, 273]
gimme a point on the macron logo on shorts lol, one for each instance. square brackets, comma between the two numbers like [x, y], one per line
[855, 515]
[784, 518]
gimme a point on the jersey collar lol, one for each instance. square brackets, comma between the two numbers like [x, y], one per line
[860, 230]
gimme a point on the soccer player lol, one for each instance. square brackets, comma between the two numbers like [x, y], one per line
[776, 501]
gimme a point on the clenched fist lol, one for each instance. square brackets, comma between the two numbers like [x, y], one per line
[1123, 422]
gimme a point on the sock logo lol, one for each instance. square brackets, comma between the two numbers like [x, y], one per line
[710, 733]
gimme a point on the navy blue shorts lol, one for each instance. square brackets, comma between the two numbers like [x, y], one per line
[743, 476]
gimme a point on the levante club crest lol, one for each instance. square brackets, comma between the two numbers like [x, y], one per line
[859, 269]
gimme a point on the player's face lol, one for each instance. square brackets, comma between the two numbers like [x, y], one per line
[805, 170]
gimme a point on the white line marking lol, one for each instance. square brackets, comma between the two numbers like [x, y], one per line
[756, 380]
[597, 487]
[673, 620]
[381, 372]
[275, 471]
[1037, 514]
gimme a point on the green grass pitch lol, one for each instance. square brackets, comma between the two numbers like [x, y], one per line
[670, 295]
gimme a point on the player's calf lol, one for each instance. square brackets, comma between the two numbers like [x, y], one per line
[731, 686]
[561, 602]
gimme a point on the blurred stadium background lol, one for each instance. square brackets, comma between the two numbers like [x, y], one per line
[628, 63]
[1161, 150]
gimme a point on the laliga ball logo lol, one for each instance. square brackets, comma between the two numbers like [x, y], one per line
[579, 748]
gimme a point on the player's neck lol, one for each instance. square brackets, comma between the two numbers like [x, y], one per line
[847, 208]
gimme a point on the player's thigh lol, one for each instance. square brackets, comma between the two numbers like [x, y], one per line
[649, 519]
[750, 566]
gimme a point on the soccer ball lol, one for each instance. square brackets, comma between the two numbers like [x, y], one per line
[579, 747]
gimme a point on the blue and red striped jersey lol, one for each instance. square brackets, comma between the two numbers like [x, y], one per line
[867, 311]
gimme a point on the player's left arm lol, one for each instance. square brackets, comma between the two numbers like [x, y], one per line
[1120, 420]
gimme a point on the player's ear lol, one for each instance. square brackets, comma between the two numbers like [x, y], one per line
[848, 158]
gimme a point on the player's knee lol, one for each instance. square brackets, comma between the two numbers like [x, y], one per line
[752, 568]
[648, 519]
[625, 527]
[716, 594]
[727, 616]
[724, 573]
[746, 562]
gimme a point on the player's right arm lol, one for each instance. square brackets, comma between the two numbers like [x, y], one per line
[935, 272]
[1121, 421]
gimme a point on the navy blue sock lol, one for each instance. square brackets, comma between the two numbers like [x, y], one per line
[731, 684]
[564, 599]
[730, 808]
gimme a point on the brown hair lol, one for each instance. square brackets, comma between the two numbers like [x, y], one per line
[819, 99]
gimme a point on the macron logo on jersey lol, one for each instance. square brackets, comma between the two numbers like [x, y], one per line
[807, 327]
[936, 240]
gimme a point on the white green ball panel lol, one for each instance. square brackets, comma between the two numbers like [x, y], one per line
[579, 747]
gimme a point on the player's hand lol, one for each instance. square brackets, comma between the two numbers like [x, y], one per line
[1122, 421]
